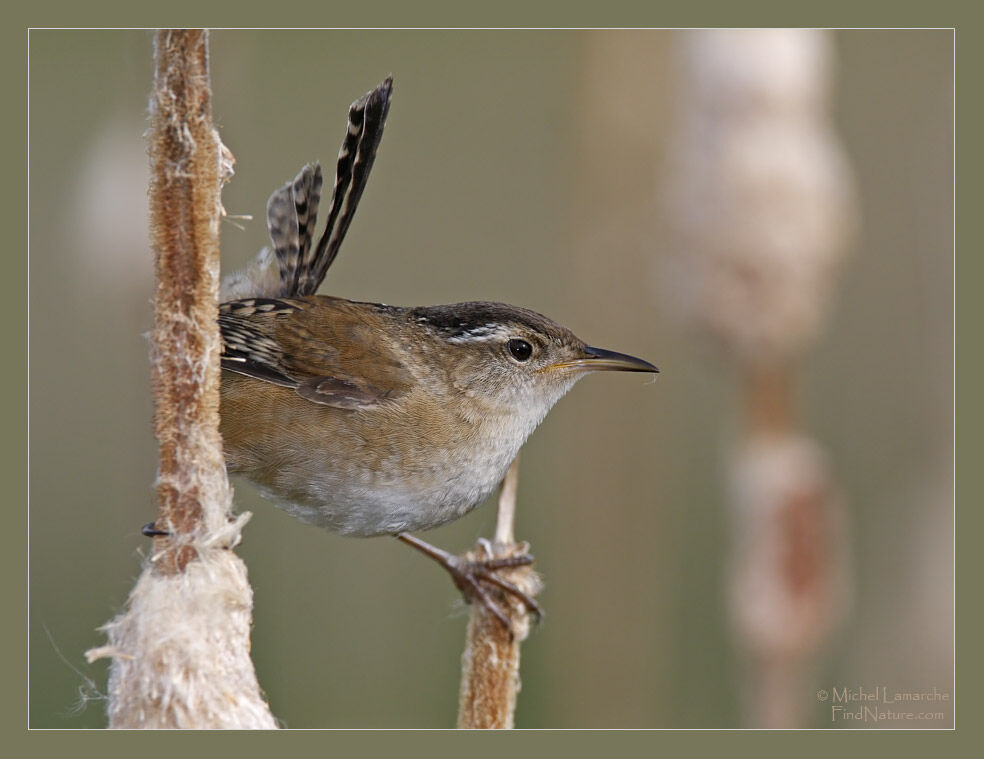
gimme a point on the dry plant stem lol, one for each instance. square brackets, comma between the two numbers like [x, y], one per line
[180, 649]
[770, 398]
[186, 170]
[506, 517]
[775, 682]
[490, 662]
[762, 209]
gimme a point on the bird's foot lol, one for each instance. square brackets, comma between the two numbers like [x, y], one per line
[150, 530]
[470, 573]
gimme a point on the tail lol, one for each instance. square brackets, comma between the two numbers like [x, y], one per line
[292, 211]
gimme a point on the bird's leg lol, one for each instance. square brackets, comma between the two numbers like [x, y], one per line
[468, 575]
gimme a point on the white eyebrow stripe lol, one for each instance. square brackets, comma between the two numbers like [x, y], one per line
[482, 334]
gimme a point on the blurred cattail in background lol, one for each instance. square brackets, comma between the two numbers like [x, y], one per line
[761, 210]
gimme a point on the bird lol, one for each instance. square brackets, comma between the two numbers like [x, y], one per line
[369, 419]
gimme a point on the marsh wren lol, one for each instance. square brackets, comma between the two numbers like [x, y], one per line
[369, 419]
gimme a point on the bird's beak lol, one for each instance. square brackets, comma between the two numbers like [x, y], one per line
[601, 360]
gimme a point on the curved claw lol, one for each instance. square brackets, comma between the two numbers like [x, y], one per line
[482, 570]
[468, 575]
[150, 530]
[471, 588]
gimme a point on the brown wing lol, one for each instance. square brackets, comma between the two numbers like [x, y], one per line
[327, 349]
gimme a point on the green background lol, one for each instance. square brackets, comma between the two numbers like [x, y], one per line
[489, 186]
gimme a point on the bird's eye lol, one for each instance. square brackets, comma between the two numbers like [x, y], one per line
[520, 349]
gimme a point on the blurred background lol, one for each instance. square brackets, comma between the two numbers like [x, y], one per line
[546, 169]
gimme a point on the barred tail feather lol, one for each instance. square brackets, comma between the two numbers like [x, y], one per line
[292, 211]
[367, 116]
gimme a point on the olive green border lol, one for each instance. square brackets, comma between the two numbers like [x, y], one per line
[447, 14]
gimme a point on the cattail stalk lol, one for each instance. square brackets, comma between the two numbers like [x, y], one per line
[180, 649]
[762, 209]
[490, 662]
